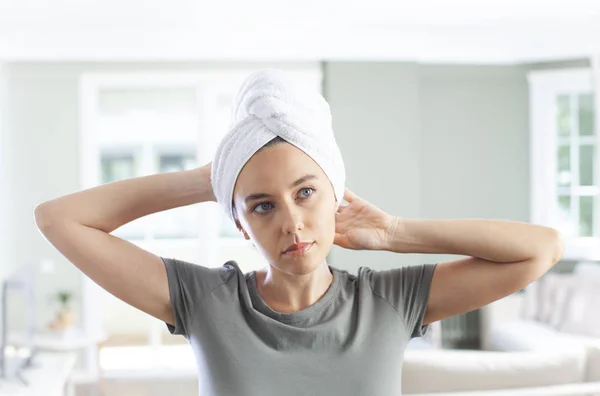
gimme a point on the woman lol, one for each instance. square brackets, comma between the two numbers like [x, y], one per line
[299, 326]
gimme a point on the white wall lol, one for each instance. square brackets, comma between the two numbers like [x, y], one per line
[424, 141]
[40, 166]
[8, 257]
[375, 111]
[3, 245]
[475, 129]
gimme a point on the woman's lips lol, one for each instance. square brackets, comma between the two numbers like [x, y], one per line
[299, 250]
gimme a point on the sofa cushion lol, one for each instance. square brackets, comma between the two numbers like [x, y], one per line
[593, 363]
[531, 302]
[459, 370]
[587, 268]
[526, 335]
[554, 293]
[582, 310]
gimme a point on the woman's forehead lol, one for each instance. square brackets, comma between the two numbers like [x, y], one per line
[276, 169]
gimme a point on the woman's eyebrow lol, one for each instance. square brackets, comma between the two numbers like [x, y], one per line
[303, 179]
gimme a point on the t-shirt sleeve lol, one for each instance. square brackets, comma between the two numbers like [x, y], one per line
[407, 290]
[189, 284]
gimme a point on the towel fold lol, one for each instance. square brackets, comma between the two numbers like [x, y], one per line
[270, 104]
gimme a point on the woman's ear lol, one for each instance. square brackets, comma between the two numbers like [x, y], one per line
[246, 237]
[241, 229]
[237, 223]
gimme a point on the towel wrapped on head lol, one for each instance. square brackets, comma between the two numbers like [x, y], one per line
[270, 104]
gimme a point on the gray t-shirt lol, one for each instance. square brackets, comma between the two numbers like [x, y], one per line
[350, 342]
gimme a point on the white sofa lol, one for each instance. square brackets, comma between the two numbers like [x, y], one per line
[543, 341]
[503, 328]
[557, 311]
[573, 372]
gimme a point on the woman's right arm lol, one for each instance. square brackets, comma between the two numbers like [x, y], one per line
[79, 226]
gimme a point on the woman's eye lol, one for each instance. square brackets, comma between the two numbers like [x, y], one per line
[265, 206]
[307, 189]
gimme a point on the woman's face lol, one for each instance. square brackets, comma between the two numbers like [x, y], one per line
[283, 197]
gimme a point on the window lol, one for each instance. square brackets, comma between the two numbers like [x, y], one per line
[565, 163]
[137, 124]
[134, 127]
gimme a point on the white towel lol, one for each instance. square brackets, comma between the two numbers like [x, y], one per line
[270, 104]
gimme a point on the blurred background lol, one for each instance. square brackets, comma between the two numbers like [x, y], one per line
[442, 109]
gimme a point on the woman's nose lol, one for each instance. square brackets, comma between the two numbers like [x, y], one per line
[292, 221]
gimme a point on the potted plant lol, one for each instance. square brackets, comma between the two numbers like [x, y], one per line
[65, 317]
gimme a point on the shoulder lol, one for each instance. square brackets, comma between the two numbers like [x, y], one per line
[397, 279]
[199, 275]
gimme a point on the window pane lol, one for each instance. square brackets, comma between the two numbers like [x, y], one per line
[564, 166]
[176, 162]
[117, 167]
[564, 206]
[567, 222]
[586, 165]
[182, 222]
[586, 114]
[563, 115]
[121, 166]
[586, 216]
[178, 222]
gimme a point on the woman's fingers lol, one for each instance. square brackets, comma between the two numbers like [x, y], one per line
[341, 208]
[349, 196]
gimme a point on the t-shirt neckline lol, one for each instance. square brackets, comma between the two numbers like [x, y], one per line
[290, 317]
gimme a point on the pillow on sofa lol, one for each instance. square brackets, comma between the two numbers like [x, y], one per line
[545, 299]
[531, 302]
[587, 268]
[582, 309]
[459, 370]
[553, 293]
[593, 364]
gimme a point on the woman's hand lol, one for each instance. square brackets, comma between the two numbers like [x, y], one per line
[361, 225]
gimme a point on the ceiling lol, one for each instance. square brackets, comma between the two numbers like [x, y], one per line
[455, 31]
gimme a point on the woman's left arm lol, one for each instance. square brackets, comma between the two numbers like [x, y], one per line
[504, 257]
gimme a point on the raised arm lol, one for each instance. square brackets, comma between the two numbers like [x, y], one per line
[505, 256]
[79, 226]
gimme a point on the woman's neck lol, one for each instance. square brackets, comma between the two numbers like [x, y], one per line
[284, 292]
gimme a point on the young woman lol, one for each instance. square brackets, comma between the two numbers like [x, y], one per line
[298, 326]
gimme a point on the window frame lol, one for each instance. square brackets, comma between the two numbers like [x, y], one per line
[544, 87]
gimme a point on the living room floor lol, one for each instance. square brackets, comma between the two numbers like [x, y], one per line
[181, 387]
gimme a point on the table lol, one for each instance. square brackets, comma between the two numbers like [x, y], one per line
[49, 376]
[74, 340]
[63, 341]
